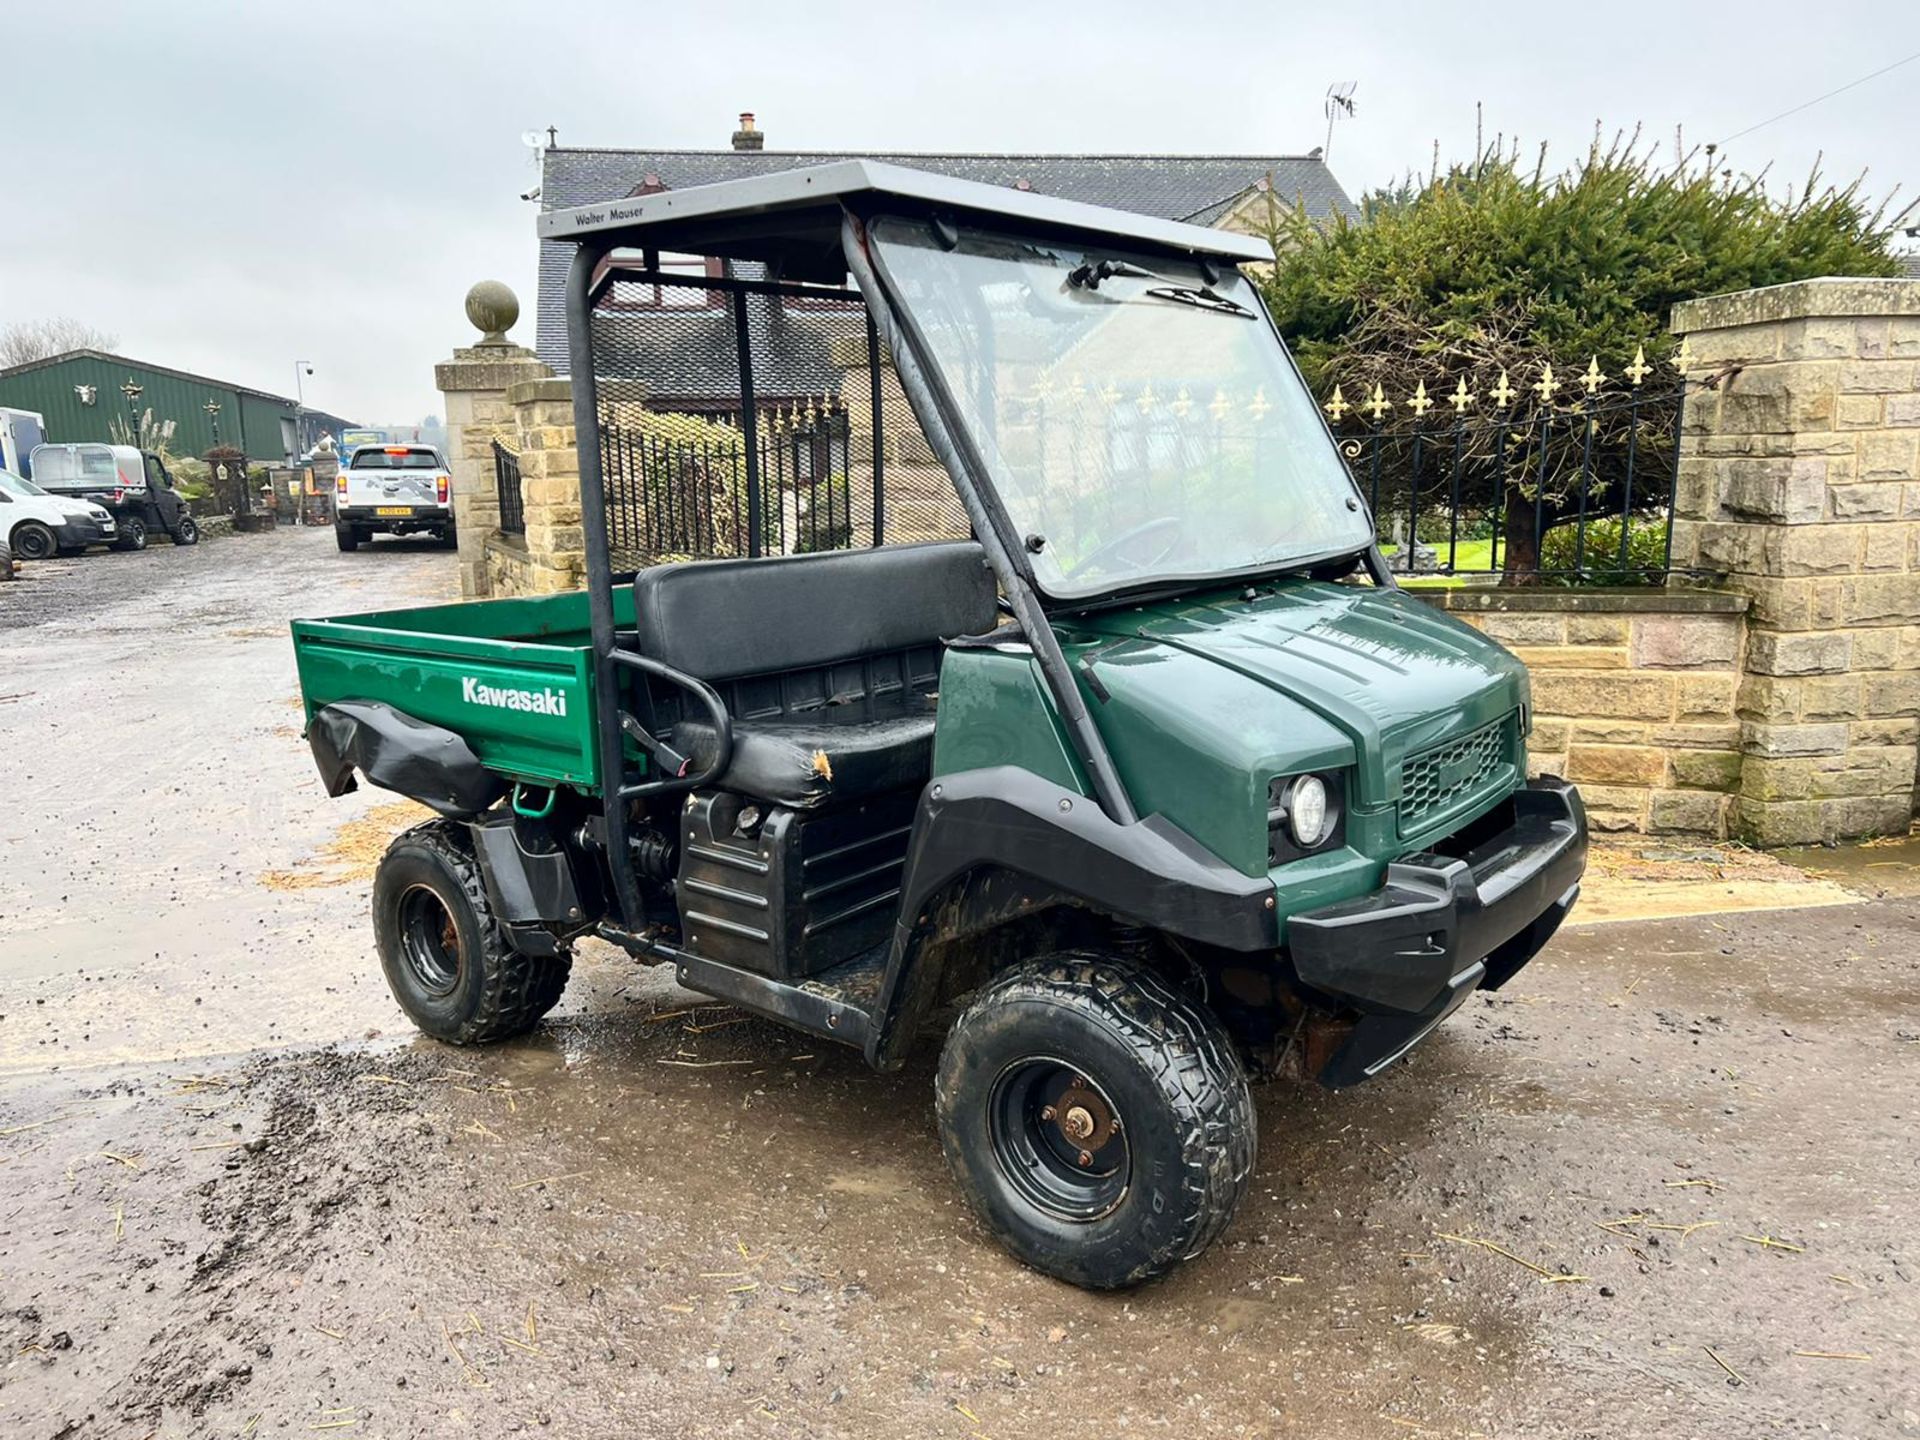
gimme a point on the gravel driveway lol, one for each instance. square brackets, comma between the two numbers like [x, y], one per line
[1664, 1185]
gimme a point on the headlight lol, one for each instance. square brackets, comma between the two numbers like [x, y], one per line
[1307, 814]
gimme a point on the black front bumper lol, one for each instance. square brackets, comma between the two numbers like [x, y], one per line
[78, 531]
[1408, 955]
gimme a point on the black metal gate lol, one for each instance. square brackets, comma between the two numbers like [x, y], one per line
[1556, 481]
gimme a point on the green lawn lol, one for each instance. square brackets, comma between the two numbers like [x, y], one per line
[1471, 556]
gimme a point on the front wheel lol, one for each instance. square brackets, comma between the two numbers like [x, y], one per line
[33, 541]
[1099, 1123]
[133, 534]
[186, 532]
[447, 961]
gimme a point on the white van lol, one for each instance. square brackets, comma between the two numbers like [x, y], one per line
[38, 525]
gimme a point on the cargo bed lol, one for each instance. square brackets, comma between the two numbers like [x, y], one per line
[512, 677]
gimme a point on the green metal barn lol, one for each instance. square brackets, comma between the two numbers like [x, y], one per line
[80, 394]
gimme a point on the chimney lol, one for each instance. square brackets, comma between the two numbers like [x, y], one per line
[746, 137]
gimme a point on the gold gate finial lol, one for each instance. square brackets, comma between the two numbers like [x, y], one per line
[1504, 392]
[1259, 405]
[1594, 378]
[1420, 404]
[1546, 384]
[1683, 357]
[1336, 408]
[1221, 406]
[1639, 369]
[1182, 403]
[1377, 403]
[1461, 399]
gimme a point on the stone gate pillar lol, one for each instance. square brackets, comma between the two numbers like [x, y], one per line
[1800, 480]
[475, 383]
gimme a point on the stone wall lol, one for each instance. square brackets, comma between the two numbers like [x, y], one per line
[1800, 482]
[475, 384]
[1633, 696]
[556, 545]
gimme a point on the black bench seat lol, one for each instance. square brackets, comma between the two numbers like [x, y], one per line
[827, 662]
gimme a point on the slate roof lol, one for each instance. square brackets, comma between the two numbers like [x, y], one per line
[1195, 188]
[1912, 262]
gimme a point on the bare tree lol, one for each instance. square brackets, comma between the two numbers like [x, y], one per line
[25, 341]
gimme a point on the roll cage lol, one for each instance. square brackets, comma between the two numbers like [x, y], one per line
[805, 230]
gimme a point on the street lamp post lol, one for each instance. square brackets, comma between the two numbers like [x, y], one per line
[133, 393]
[301, 368]
[212, 407]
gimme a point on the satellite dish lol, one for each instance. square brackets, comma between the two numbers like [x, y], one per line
[533, 139]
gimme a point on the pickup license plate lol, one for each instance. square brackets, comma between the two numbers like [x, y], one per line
[393, 510]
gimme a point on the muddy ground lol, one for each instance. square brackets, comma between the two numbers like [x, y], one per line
[1665, 1184]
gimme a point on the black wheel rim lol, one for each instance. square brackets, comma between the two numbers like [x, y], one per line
[33, 544]
[429, 941]
[1059, 1139]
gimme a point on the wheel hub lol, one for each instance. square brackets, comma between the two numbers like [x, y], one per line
[429, 941]
[1058, 1139]
[1084, 1118]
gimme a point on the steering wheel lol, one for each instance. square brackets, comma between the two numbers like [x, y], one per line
[1119, 542]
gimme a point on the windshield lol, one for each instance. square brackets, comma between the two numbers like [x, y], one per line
[395, 460]
[1139, 423]
[14, 485]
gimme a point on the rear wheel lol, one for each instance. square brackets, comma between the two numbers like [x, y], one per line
[33, 541]
[1099, 1122]
[346, 537]
[133, 534]
[186, 532]
[447, 961]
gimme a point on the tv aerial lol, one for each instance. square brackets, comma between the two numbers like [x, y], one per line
[1339, 102]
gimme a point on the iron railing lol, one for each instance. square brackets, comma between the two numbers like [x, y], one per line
[506, 481]
[1527, 487]
[680, 485]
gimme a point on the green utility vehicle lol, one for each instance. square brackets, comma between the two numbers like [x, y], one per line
[1152, 782]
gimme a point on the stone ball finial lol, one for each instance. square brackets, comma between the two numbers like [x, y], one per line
[493, 308]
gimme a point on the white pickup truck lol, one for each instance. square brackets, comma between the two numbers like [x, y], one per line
[393, 490]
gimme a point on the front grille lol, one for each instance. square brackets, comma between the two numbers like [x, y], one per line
[1437, 780]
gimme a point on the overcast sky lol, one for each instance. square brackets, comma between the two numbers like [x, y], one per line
[234, 187]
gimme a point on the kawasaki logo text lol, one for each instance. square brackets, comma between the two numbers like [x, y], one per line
[534, 702]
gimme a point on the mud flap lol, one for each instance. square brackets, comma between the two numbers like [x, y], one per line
[531, 888]
[399, 753]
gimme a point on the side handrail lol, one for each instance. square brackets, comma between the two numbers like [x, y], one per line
[716, 711]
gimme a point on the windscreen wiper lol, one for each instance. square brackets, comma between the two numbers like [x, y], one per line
[1200, 297]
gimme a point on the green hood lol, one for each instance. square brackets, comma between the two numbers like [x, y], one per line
[1304, 676]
